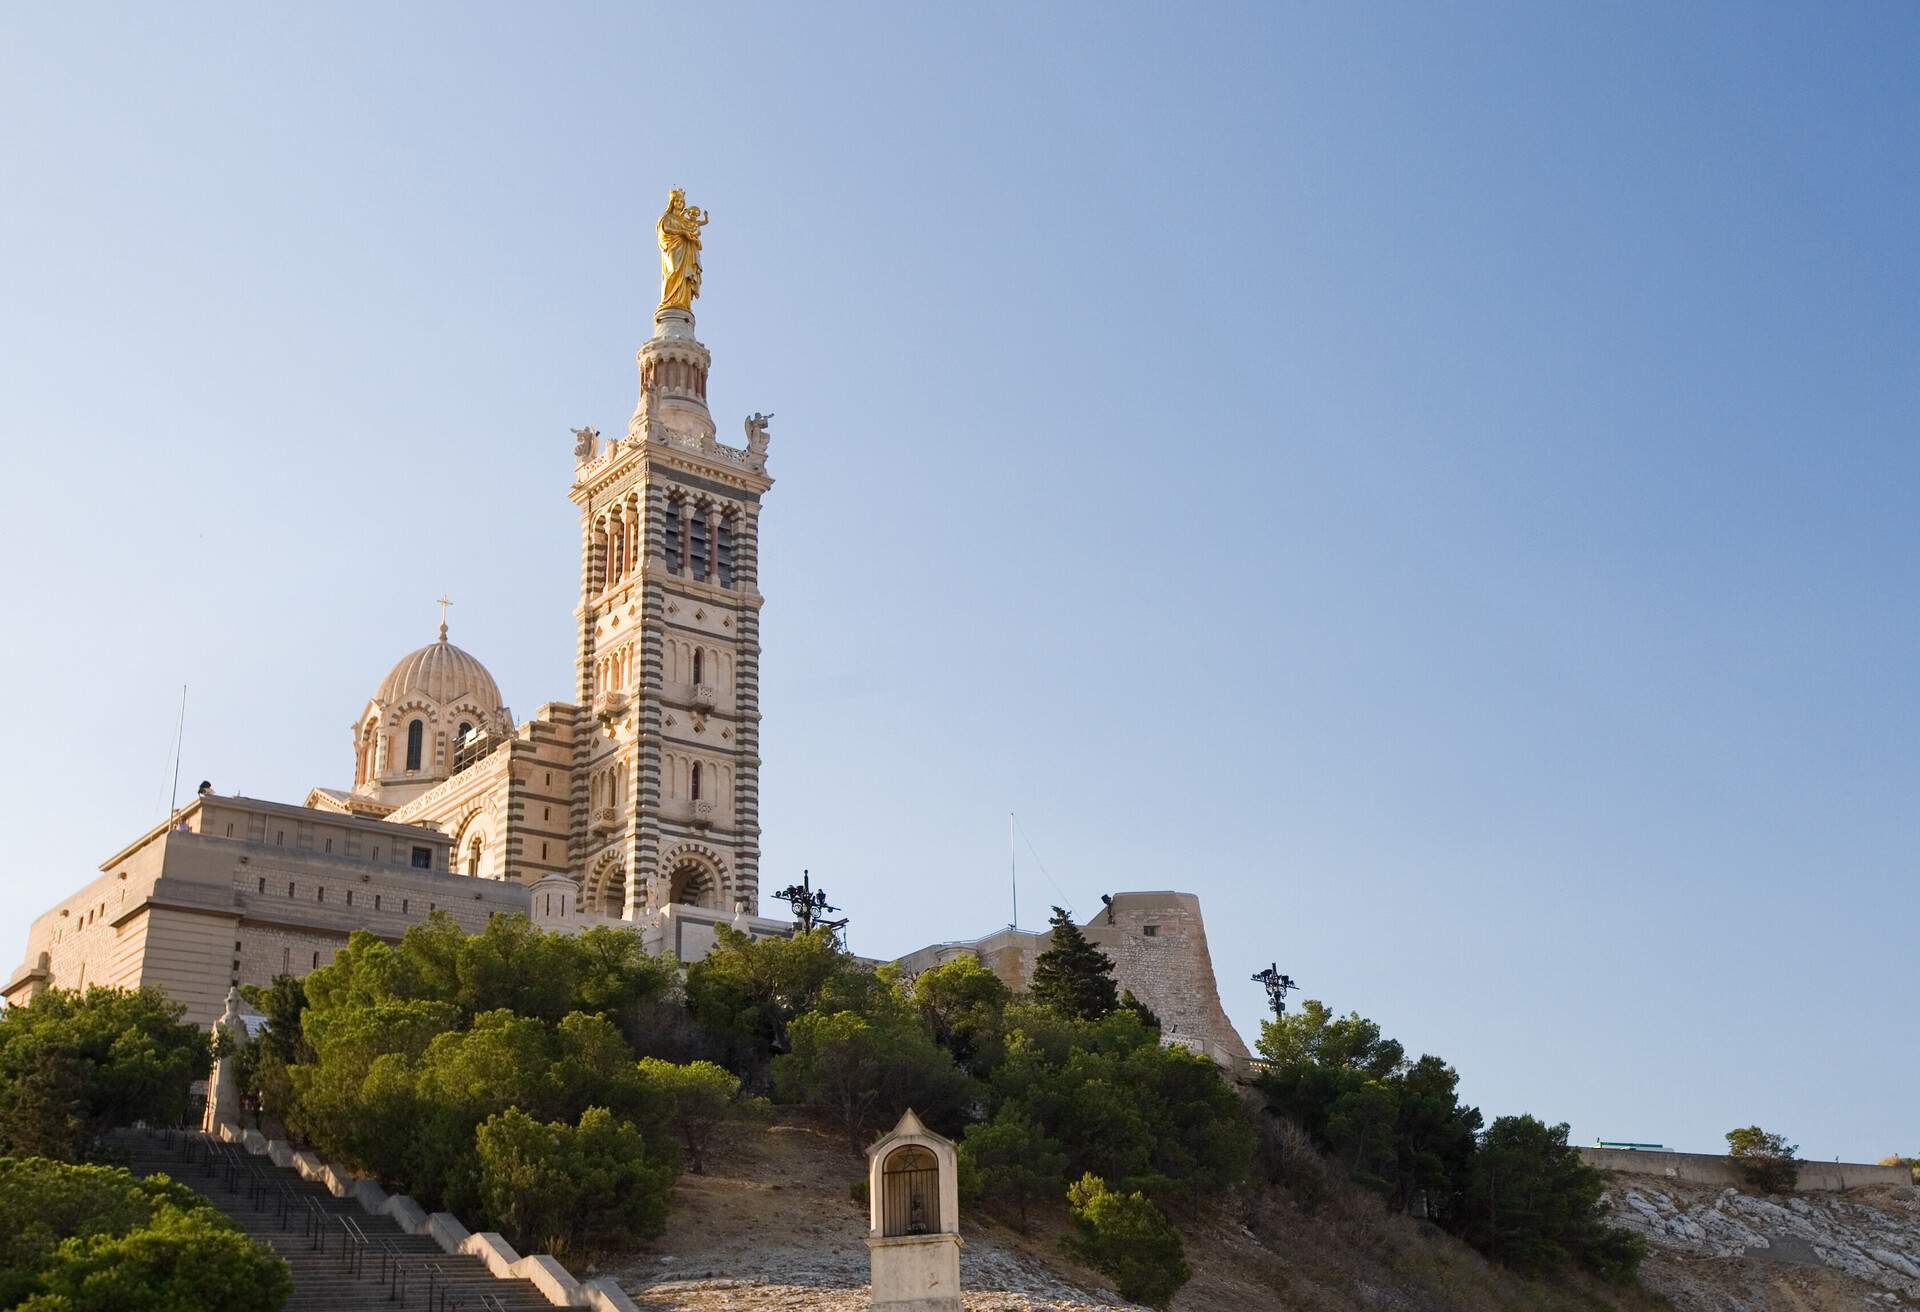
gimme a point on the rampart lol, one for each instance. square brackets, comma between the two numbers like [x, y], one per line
[1158, 945]
[1717, 1169]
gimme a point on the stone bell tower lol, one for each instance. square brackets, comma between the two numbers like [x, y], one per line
[665, 802]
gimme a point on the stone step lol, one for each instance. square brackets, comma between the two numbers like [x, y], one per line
[323, 1278]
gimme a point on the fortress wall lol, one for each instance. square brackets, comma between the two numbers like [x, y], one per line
[1170, 968]
[1158, 945]
[1716, 1169]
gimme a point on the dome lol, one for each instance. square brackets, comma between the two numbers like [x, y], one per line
[442, 674]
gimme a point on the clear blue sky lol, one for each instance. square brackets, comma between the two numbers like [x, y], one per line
[1438, 483]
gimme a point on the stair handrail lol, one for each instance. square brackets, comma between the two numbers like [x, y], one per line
[316, 1227]
[353, 1245]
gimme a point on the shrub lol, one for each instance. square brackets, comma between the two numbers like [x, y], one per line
[98, 1239]
[557, 1186]
[1289, 1158]
[1763, 1160]
[1126, 1236]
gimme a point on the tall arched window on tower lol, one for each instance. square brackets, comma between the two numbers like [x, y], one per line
[473, 856]
[694, 788]
[696, 667]
[416, 739]
[674, 553]
[697, 547]
[723, 554]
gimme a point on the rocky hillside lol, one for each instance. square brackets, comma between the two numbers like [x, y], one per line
[1720, 1250]
[772, 1226]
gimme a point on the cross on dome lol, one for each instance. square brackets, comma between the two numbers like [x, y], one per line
[445, 602]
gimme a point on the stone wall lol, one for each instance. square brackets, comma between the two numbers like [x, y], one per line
[1158, 945]
[237, 891]
[1716, 1169]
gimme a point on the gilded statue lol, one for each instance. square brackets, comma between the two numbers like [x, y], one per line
[679, 233]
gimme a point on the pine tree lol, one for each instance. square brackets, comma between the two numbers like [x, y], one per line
[1073, 977]
[1147, 1015]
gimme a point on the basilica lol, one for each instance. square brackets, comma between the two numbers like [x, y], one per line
[634, 802]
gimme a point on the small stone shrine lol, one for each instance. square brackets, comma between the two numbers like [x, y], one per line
[913, 1239]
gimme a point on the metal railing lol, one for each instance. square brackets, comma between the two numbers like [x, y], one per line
[410, 1281]
[353, 1246]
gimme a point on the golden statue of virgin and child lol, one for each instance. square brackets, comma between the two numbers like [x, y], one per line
[679, 234]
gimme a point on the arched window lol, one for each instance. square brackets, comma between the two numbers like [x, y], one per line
[910, 1192]
[416, 737]
[465, 729]
[696, 666]
[473, 856]
[676, 555]
[695, 792]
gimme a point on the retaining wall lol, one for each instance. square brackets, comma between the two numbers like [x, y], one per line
[1716, 1169]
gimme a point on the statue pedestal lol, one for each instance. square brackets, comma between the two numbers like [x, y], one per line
[673, 322]
[916, 1273]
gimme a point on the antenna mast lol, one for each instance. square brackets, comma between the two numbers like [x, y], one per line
[1013, 871]
[179, 735]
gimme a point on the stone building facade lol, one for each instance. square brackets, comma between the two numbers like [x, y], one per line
[236, 891]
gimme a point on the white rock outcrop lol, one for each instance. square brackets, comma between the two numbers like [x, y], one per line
[1874, 1238]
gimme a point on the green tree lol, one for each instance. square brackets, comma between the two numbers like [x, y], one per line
[1073, 977]
[182, 1261]
[1147, 1015]
[1763, 1159]
[866, 1072]
[96, 1238]
[1127, 1237]
[1535, 1206]
[282, 1003]
[702, 1099]
[1012, 1162]
[1434, 1137]
[746, 991]
[558, 1187]
[1344, 1043]
[964, 1005]
[1123, 1105]
[73, 1065]
[1360, 1128]
[1395, 1126]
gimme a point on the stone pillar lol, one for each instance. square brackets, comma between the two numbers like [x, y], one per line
[223, 1090]
[746, 709]
[715, 513]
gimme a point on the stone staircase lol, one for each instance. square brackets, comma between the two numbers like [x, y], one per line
[344, 1259]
